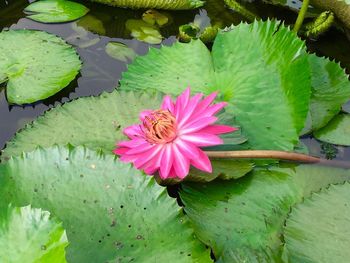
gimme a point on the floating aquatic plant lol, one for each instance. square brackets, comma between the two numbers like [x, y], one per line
[29, 235]
[55, 11]
[144, 31]
[35, 65]
[132, 215]
[168, 140]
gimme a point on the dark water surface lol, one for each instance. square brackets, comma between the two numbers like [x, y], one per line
[101, 73]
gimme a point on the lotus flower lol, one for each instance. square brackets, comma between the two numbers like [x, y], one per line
[168, 140]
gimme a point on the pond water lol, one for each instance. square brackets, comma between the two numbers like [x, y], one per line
[101, 73]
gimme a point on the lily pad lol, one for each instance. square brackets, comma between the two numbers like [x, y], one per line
[318, 230]
[330, 90]
[158, 4]
[252, 209]
[112, 112]
[55, 11]
[95, 122]
[251, 66]
[30, 235]
[143, 31]
[120, 51]
[35, 65]
[337, 131]
[110, 210]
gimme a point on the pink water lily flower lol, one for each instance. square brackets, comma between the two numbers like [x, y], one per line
[168, 140]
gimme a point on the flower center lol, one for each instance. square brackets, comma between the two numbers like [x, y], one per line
[159, 127]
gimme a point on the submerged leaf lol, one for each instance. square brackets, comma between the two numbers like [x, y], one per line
[153, 17]
[30, 235]
[249, 213]
[55, 11]
[110, 210]
[35, 64]
[318, 230]
[337, 131]
[120, 51]
[143, 31]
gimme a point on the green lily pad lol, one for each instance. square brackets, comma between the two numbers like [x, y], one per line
[337, 131]
[30, 235]
[158, 4]
[143, 31]
[251, 66]
[55, 11]
[318, 230]
[251, 210]
[95, 122]
[112, 112]
[35, 65]
[120, 51]
[110, 210]
[330, 90]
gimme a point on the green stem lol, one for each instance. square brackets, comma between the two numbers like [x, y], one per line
[301, 16]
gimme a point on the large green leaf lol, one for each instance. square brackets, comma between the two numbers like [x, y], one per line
[55, 11]
[318, 230]
[35, 65]
[261, 69]
[110, 210]
[249, 213]
[337, 131]
[159, 4]
[30, 235]
[330, 90]
[96, 122]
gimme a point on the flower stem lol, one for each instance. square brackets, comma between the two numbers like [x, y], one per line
[279, 155]
[262, 154]
[301, 16]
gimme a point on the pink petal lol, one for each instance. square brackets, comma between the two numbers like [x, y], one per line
[215, 108]
[121, 150]
[172, 173]
[141, 148]
[218, 129]
[166, 162]
[181, 102]
[152, 167]
[187, 148]
[189, 110]
[144, 113]
[202, 139]
[133, 131]
[147, 157]
[181, 163]
[167, 104]
[197, 125]
[207, 101]
[132, 143]
[202, 162]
